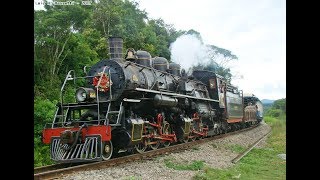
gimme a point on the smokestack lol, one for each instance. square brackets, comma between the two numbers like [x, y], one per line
[115, 47]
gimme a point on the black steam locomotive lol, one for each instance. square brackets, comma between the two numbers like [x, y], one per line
[139, 103]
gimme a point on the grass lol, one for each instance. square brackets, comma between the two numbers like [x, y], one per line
[237, 148]
[262, 163]
[195, 148]
[194, 166]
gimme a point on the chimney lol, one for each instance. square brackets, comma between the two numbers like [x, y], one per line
[115, 48]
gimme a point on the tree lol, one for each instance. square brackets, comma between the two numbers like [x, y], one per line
[53, 30]
[280, 104]
[196, 34]
[106, 16]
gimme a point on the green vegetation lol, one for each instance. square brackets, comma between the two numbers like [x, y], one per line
[195, 165]
[70, 37]
[195, 148]
[237, 148]
[278, 109]
[262, 163]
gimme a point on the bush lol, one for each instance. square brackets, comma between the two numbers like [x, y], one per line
[41, 153]
[274, 112]
[270, 120]
[44, 110]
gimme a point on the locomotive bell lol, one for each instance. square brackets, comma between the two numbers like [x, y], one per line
[130, 54]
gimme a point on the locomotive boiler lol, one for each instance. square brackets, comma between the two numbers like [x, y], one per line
[138, 102]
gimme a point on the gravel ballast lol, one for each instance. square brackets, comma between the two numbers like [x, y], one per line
[215, 154]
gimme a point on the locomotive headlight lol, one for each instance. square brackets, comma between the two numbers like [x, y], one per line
[85, 94]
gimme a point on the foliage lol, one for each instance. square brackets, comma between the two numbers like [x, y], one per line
[41, 153]
[277, 109]
[266, 107]
[44, 111]
[274, 112]
[237, 148]
[280, 104]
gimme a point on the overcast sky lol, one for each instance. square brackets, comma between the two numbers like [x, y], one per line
[253, 30]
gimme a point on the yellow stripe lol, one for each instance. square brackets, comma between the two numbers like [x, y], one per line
[235, 117]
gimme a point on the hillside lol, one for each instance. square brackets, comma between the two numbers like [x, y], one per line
[267, 101]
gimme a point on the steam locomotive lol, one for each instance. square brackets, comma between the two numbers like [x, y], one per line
[138, 103]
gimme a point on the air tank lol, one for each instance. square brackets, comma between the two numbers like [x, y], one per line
[143, 58]
[160, 63]
[174, 69]
[162, 100]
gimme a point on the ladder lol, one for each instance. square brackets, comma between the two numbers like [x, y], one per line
[118, 115]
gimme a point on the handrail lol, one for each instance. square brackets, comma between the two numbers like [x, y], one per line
[85, 69]
[110, 98]
[68, 77]
[97, 88]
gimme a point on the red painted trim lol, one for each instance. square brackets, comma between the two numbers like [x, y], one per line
[234, 120]
[104, 131]
[155, 125]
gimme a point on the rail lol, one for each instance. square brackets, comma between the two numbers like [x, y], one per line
[130, 158]
[236, 159]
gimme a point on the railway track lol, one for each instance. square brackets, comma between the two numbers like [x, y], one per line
[241, 155]
[48, 168]
[53, 171]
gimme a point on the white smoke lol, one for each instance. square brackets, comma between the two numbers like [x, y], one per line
[188, 50]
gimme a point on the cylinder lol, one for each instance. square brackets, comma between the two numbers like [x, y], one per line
[115, 48]
[162, 100]
[160, 63]
[143, 58]
[174, 69]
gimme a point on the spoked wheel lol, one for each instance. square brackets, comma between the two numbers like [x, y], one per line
[193, 138]
[107, 150]
[166, 130]
[140, 148]
[155, 146]
[186, 139]
[166, 144]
